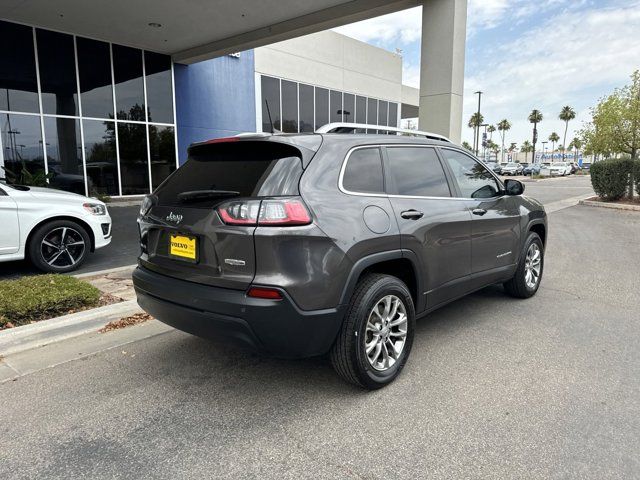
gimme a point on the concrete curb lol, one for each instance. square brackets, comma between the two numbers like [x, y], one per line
[615, 206]
[41, 333]
[98, 273]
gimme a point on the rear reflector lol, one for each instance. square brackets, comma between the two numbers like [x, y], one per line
[262, 292]
[270, 212]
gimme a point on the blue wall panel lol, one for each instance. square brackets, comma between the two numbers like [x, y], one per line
[214, 98]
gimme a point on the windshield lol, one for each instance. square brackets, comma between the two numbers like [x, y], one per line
[559, 164]
[512, 164]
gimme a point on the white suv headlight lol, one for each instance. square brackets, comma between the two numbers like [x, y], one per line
[95, 208]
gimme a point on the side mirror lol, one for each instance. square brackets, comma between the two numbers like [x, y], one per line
[513, 187]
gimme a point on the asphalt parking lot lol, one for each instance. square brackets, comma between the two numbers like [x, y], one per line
[495, 388]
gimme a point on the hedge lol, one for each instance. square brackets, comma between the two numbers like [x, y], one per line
[636, 175]
[43, 296]
[610, 178]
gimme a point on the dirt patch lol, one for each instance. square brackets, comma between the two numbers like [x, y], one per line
[126, 322]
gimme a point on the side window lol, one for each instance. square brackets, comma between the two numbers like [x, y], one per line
[474, 180]
[416, 171]
[363, 172]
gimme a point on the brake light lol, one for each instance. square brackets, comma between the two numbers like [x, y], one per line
[262, 292]
[271, 212]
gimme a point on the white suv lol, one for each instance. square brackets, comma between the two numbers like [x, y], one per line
[54, 229]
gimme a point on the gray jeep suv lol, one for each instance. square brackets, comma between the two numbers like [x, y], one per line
[307, 244]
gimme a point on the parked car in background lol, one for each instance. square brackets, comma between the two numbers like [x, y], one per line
[494, 167]
[512, 168]
[575, 167]
[304, 245]
[54, 229]
[533, 169]
[560, 169]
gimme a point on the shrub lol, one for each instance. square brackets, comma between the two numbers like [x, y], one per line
[610, 178]
[43, 296]
[636, 175]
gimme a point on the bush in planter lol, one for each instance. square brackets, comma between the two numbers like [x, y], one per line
[610, 178]
[636, 175]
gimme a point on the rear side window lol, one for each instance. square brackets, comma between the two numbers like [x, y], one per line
[363, 172]
[416, 171]
[220, 171]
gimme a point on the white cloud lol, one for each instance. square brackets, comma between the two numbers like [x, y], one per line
[403, 27]
[565, 60]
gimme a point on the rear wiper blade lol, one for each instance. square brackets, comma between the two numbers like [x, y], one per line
[195, 195]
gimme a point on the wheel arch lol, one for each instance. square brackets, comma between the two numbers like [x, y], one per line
[68, 218]
[401, 264]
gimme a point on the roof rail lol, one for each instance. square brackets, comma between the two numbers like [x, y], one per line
[340, 127]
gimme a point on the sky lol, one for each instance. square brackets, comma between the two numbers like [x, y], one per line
[525, 54]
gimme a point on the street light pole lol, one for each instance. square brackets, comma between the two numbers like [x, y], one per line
[476, 136]
[544, 148]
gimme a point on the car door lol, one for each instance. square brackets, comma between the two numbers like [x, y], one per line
[10, 230]
[433, 224]
[496, 217]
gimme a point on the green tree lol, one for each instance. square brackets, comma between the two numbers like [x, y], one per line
[553, 138]
[535, 117]
[474, 122]
[575, 145]
[526, 148]
[503, 127]
[466, 145]
[491, 129]
[566, 115]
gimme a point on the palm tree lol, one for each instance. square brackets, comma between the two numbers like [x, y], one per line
[466, 145]
[503, 126]
[566, 115]
[526, 148]
[535, 117]
[553, 138]
[491, 129]
[576, 145]
[474, 122]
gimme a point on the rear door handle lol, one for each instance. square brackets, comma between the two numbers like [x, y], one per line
[478, 211]
[411, 214]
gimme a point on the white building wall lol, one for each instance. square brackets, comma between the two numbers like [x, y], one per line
[329, 59]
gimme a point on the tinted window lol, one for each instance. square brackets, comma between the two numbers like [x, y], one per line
[393, 114]
[336, 106]
[372, 113]
[322, 107]
[270, 103]
[363, 172]
[159, 96]
[289, 106]
[134, 167]
[94, 66]
[127, 71]
[383, 110]
[18, 84]
[473, 178]
[64, 153]
[253, 169]
[163, 153]
[56, 59]
[349, 107]
[306, 108]
[417, 172]
[22, 144]
[361, 110]
[100, 157]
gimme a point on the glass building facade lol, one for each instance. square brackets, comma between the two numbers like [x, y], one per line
[87, 116]
[297, 107]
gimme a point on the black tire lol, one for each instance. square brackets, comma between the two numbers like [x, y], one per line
[517, 286]
[63, 264]
[348, 354]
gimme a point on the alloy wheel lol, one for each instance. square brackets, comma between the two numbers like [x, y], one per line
[62, 247]
[532, 265]
[386, 332]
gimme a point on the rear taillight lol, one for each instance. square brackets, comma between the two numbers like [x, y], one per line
[270, 212]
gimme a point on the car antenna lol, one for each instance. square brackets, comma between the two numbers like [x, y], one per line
[266, 102]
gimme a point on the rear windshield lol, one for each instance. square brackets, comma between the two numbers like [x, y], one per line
[217, 172]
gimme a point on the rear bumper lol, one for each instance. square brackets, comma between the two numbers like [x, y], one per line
[273, 327]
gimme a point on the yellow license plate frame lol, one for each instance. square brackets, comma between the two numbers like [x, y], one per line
[183, 247]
